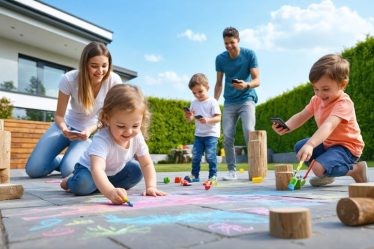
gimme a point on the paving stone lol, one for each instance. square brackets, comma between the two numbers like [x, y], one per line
[229, 215]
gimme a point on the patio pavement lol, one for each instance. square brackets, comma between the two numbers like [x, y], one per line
[230, 215]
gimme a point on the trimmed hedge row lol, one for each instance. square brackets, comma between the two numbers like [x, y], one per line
[169, 128]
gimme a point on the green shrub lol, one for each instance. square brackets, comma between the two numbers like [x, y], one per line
[6, 108]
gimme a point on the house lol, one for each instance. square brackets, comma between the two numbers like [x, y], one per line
[39, 43]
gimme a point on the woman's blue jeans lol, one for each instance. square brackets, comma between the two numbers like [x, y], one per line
[82, 183]
[45, 156]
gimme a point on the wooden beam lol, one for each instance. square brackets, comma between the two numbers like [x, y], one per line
[10, 191]
[355, 211]
[290, 223]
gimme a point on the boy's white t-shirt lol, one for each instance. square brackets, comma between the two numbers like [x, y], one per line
[114, 155]
[75, 116]
[207, 108]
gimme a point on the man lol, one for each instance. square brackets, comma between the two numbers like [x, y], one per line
[239, 65]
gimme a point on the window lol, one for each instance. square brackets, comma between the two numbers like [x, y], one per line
[33, 114]
[37, 77]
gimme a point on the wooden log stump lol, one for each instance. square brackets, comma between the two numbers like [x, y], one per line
[4, 156]
[257, 153]
[282, 179]
[355, 211]
[283, 168]
[10, 191]
[290, 223]
[361, 190]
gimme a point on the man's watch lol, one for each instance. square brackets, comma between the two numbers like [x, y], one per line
[248, 85]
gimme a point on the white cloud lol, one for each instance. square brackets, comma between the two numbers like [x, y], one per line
[152, 57]
[196, 37]
[318, 28]
[168, 79]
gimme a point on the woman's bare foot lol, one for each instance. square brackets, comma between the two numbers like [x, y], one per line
[358, 173]
[63, 184]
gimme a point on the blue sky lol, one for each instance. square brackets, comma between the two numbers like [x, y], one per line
[167, 41]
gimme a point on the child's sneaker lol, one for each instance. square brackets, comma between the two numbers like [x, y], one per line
[360, 172]
[213, 179]
[231, 176]
[192, 178]
[318, 181]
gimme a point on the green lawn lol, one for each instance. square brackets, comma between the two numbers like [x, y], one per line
[221, 167]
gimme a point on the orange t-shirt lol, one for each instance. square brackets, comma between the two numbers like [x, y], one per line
[347, 133]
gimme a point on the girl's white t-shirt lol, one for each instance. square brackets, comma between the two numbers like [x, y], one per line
[75, 116]
[115, 156]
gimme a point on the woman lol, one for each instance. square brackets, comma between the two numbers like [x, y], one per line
[86, 88]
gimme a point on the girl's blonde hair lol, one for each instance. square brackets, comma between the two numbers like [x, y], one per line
[85, 91]
[125, 97]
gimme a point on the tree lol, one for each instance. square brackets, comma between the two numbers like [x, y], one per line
[8, 85]
[6, 108]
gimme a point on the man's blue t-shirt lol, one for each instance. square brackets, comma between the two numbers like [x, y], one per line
[237, 68]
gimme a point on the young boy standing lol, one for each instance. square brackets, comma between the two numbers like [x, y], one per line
[337, 144]
[207, 115]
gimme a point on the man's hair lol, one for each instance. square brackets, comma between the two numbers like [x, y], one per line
[198, 79]
[231, 32]
[332, 65]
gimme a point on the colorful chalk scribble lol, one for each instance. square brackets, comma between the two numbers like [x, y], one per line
[217, 213]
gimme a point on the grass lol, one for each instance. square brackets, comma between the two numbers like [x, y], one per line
[221, 167]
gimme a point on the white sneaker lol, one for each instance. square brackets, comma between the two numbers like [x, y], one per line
[231, 176]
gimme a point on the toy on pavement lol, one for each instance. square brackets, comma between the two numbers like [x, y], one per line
[297, 181]
[209, 183]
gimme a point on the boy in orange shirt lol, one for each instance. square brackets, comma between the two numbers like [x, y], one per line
[337, 144]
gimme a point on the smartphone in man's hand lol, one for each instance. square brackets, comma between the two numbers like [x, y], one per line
[198, 117]
[235, 81]
[186, 109]
[279, 122]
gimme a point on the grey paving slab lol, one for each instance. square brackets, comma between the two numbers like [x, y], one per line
[229, 215]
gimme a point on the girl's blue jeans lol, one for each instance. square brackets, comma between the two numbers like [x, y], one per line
[209, 144]
[82, 183]
[45, 157]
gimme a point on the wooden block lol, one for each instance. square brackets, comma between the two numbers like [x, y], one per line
[355, 211]
[10, 191]
[282, 179]
[361, 190]
[5, 138]
[283, 168]
[290, 223]
[1, 125]
[257, 160]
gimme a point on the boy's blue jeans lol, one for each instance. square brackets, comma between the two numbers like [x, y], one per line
[44, 158]
[231, 114]
[209, 144]
[82, 183]
[336, 160]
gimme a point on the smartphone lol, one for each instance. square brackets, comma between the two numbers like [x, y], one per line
[235, 81]
[279, 122]
[186, 109]
[75, 131]
[198, 116]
